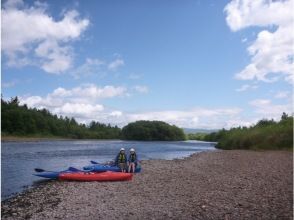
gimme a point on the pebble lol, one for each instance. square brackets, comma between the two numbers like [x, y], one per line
[209, 185]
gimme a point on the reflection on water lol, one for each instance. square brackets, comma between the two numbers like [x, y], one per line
[20, 158]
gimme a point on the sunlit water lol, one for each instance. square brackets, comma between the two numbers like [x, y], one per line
[20, 158]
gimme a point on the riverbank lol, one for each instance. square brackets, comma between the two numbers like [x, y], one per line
[209, 185]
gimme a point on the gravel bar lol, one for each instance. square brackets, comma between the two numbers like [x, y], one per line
[209, 185]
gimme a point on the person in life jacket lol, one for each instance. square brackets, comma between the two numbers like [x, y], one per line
[132, 161]
[121, 160]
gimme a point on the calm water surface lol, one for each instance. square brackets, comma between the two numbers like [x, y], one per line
[20, 158]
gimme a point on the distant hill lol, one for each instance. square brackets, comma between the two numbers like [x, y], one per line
[196, 130]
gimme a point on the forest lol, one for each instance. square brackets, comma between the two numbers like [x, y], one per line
[152, 131]
[21, 121]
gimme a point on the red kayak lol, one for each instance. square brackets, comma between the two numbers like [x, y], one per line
[91, 176]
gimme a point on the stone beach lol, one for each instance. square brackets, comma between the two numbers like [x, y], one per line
[235, 184]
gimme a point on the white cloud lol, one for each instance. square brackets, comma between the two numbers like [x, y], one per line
[78, 109]
[141, 89]
[90, 91]
[81, 102]
[84, 104]
[266, 109]
[84, 94]
[135, 76]
[88, 94]
[244, 40]
[8, 84]
[260, 102]
[272, 52]
[56, 59]
[13, 4]
[91, 66]
[32, 36]
[97, 67]
[237, 122]
[116, 113]
[282, 95]
[246, 13]
[192, 118]
[246, 87]
[114, 65]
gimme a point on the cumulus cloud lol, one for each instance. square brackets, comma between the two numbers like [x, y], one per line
[244, 40]
[272, 52]
[282, 94]
[97, 67]
[85, 104]
[135, 76]
[78, 110]
[266, 109]
[9, 84]
[61, 99]
[238, 121]
[82, 102]
[191, 118]
[141, 89]
[90, 67]
[114, 65]
[89, 91]
[246, 87]
[31, 36]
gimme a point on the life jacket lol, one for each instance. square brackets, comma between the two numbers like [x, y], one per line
[133, 157]
[121, 158]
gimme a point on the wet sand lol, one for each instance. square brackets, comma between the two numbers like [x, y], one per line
[209, 185]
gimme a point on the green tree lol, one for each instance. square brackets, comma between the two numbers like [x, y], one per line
[152, 131]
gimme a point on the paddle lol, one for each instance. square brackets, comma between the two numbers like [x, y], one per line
[72, 169]
[94, 162]
[38, 170]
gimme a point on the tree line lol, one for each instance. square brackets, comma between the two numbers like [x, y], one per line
[152, 131]
[19, 120]
[265, 134]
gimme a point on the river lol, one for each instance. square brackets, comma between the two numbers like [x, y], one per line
[20, 158]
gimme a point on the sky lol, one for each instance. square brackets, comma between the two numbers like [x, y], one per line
[206, 64]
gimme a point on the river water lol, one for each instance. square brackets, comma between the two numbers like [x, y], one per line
[20, 158]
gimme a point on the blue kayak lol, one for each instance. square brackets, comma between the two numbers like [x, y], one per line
[55, 174]
[103, 168]
[48, 175]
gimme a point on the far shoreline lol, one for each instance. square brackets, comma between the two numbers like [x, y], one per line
[12, 138]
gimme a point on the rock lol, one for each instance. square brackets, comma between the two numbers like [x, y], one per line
[167, 190]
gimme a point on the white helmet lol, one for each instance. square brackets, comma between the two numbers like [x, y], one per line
[132, 150]
[122, 149]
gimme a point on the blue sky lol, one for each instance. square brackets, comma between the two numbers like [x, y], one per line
[197, 64]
